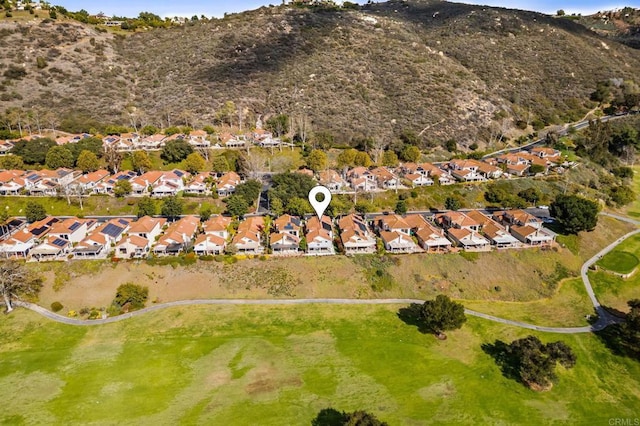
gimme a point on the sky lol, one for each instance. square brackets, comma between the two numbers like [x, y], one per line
[217, 8]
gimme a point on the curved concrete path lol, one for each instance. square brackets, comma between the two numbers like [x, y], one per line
[604, 318]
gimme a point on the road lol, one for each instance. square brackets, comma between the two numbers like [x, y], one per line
[604, 318]
[577, 126]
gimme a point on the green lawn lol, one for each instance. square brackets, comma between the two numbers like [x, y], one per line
[281, 365]
[618, 261]
[615, 291]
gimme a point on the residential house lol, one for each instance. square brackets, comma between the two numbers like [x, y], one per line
[233, 141]
[152, 142]
[364, 184]
[356, 236]
[19, 244]
[12, 182]
[248, 239]
[106, 185]
[332, 180]
[226, 185]
[499, 236]
[198, 139]
[217, 225]
[132, 246]
[432, 239]
[397, 242]
[10, 227]
[143, 184]
[95, 246]
[285, 235]
[550, 154]
[90, 181]
[199, 185]
[459, 220]
[468, 239]
[518, 217]
[113, 230]
[169, 183]
[418, 179]
[489, 171]
[72, 229]
[178, 236]
[393, 223]
[147, 227]
[52, 248]
[533, 236]
[208, 244]
[466, 170]
[429, 237]
[385, 178]
[319, 236]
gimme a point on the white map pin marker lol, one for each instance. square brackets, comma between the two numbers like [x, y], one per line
[319, 206]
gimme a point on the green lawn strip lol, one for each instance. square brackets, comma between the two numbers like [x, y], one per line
[619, 261]
[99, 205]
[281, 365]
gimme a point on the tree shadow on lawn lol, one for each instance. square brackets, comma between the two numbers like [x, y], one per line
[411, 316]
[619, 339]
[329, 417]
[509, 363]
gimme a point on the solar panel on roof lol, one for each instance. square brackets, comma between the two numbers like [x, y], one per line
[59, 242]
[75, 226]
[112, 230]
[123, 221]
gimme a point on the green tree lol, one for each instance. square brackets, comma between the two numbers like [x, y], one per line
[410, 153]
[16, 281]
[534, 169]
[141, 162]
[122, 188]
[278, 124]
[347, 158]
[389, 159]
[276, 206]
[622, 195]
[205, 212]
[531, 361]
[237, 206]
[531, 195]
[194, 163]
[332, 417]
[172, 130]
[249, 190]
[363, 159]
[401, 207]
[59, 156]
[88, 162]
[452, 203]
[317, 160]
[130, 297]
[574, 213]
[175, 151]
[33, 151]
[34, 211]
[171, 207]
[442, 314]
[91, 144]
[149, 130]
[289, 185]
[451, 145]
[298, 206]
[220, 164]
[324, 139]
[11, 162]
[146, 207]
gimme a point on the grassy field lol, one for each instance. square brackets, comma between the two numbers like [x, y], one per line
[281, 365]
[615, 291]
[619, 261]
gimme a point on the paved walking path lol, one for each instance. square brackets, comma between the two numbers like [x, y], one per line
[604, 318]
